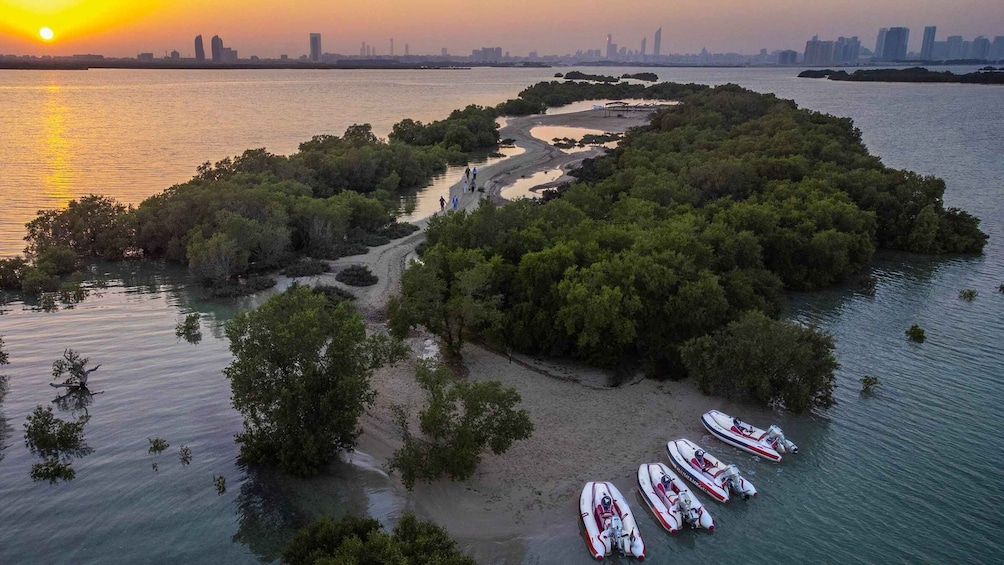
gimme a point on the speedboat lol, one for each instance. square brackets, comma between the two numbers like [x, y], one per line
[670, 499]
[707, 472]
[769, 443]
[610, 526]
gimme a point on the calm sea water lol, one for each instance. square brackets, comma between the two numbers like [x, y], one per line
[909, 475]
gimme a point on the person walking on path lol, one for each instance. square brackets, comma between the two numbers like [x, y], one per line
[474, 174]
[442, 203]
[456, 202]
[467, 173]
[465, 186]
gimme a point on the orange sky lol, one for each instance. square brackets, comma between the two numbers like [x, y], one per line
[271, 27]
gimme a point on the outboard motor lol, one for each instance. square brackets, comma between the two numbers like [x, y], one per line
[617, 535]
[780, 443]
[686, 506]
[734, 481]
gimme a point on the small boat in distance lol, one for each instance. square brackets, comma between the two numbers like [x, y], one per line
[769, 443]
[610, 526]
[707, 472]
[670, 499]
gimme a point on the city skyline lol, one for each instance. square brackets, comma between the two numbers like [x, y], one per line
[258, 27]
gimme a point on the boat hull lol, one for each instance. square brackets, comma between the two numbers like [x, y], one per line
[680, 453]
[720, 425]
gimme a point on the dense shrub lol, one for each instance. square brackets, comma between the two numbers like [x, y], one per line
[356, 275]
[306, 268]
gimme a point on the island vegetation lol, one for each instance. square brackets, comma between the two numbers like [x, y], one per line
[647, 77]
[579, 75]
[968, 294]
[869, 384]
[301, 378]
[693, 223]
[987, 75]
[916, 334]
[353, 540]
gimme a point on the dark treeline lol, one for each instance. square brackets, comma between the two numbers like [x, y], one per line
[989, 75]
[698, 220]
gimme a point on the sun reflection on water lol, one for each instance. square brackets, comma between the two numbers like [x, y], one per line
[56, 148]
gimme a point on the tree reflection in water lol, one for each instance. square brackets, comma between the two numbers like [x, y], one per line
[267, 517]
[5, 429]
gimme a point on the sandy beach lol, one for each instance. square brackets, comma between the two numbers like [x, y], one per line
[583, 430]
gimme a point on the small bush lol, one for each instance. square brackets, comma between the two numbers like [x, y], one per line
[220, 483]
[334, 294]
[916, 333]
[35, 281]
[398, 230]
[376, 240]
[185, 454]
[346, 250]
[57, 260]
[1000, 289]
[12, 271]
[243, 287]
[189, 328]
[357, 275]
[868, 384]
[308, 268]
[967, 294]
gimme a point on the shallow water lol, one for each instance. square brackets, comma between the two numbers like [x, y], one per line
[908, 475]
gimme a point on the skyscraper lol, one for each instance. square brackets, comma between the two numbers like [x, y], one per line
[200, 50]
[392, 47]
[927, 48]
[217, 46]
[896, 40]
[611, 47]
[407, 51]
[880, 44]
[644, 42]
[956, 47]
[315, 47]
[997, 48]
[980, 49]
[657, 44]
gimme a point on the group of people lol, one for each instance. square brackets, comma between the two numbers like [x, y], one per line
[470, 183]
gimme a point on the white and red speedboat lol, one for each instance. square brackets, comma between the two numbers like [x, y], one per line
[670, 499]
[610, 526]
[769, 443]
[707, 472]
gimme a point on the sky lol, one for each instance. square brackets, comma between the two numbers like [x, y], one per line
[268, 28]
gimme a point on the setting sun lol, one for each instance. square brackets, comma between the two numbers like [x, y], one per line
[46, 34]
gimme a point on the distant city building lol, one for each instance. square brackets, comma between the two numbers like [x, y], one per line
[283, 57]
[980, 49]
[200, 50]
[228, 56]
[175, 56]
[392, 47]
[443, 52]
[216, 44]
[956, 47]
[611, 47]
[487, 55]
[818, 52]
[997, 48]
[896, 40]
[407, 51]
[927, 48]
[846, 50]
[657, 43]
[145, 57]
[880, 44]
[315, 47]
[644, 40]
[787, 57]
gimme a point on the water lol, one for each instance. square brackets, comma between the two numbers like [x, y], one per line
[909, 475]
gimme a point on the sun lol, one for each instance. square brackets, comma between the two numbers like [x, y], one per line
[46, 34]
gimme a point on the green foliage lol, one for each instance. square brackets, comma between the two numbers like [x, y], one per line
[189, 328]
[916, 333]
[220, 482]
[307, 268]
[968, 294]
[35, 281]
[464, 130]
[12, 271]
[334, 294]
[56, 441]
[765, 361]
[301, 378]
[578, 75]
[4, 358]
[158, 445]
[462, 420]
[242, 287]
[450, 293]
[1000, 289]
[354, 540]
[869, 384]
[649, 77]
[356, 275]
[94, 226]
